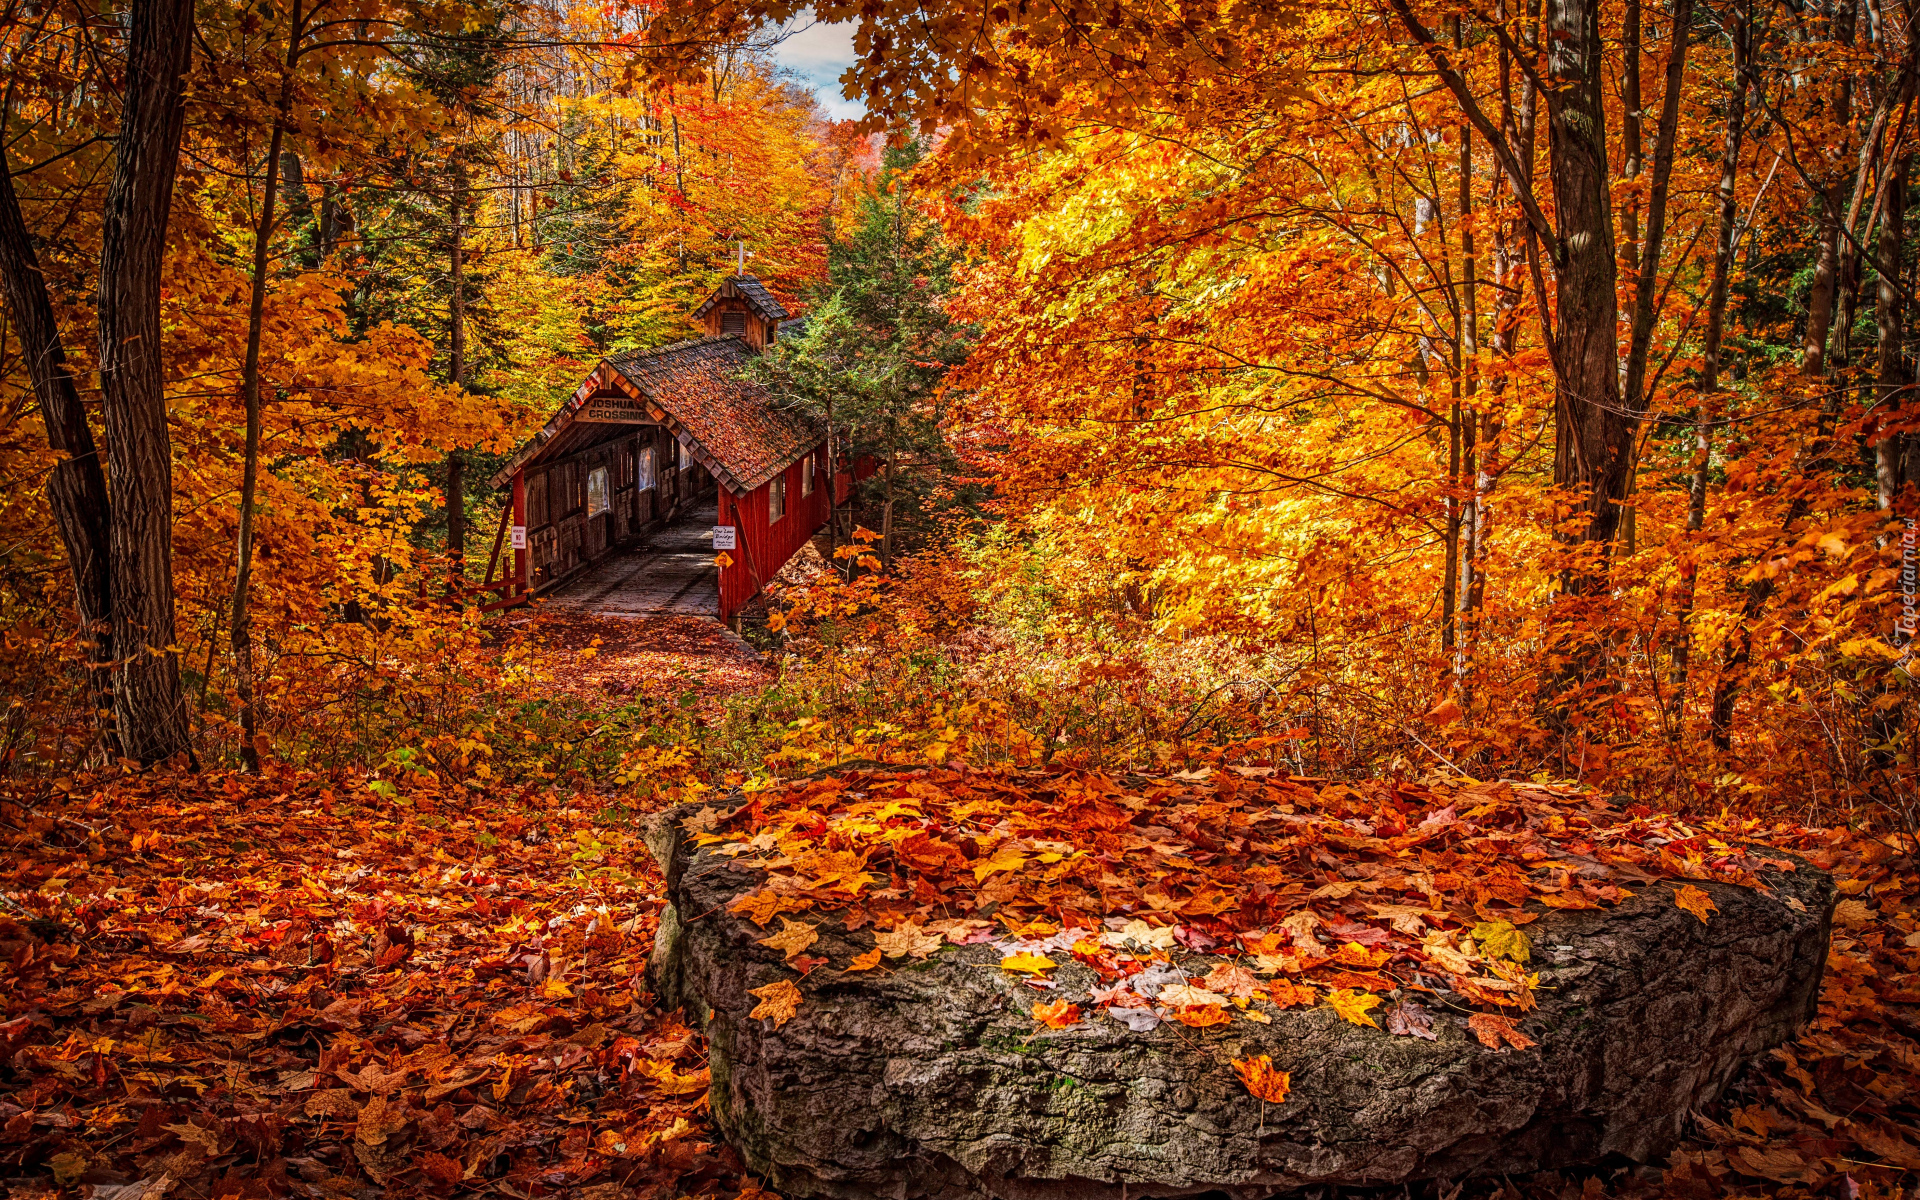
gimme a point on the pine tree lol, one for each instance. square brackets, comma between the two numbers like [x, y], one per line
[875, 352]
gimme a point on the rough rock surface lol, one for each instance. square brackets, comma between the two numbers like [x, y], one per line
[932, 1080]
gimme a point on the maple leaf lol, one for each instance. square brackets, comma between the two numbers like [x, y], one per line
[1287, 994]
[794, 936]
[1259, 1078]
[907, 938]
[778, 1002]
[522, 1018]
[1203, 1016]
[1032, 964]
[1058, 1014]
[865, 962]
[1353, 1005]
[1232, 981]
[1499, 939]
[1353, 954]
[1695, 901]
[1181, 995]
[379, 1119]
[1494, 1030]
[761, 905]
[1006, 858]
[1409, 1019]
[1847, 914]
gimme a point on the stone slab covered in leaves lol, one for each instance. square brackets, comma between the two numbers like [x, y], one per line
[933, 1078]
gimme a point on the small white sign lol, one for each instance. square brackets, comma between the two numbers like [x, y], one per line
[723, 537]
[519, 537]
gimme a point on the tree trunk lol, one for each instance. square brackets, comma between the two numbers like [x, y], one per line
[1823, 290]
[149, 707]
[241, 625]
[1724, 246]
[77, 487]
[1889, 318]
[1646, 287]
[1593, 434]
[457, 368]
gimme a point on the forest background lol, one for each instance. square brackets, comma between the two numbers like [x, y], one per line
[1281, 440]
[1495, 390]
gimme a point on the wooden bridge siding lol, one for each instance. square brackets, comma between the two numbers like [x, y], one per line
[561, 538]
[764, 546]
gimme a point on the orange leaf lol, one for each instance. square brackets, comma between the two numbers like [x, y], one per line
[1695, 901]
[1493, 1030]
[1057, 1015]
[794, 936]
[866, 962]
[1262, 1080]
[1287, 994]
[1353, 954]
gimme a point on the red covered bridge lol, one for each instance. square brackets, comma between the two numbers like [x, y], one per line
[618, 500]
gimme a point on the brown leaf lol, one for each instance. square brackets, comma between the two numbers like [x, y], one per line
[379, 1120]
[1408, 1019]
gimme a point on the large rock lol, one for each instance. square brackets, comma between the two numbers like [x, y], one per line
[933, 1080]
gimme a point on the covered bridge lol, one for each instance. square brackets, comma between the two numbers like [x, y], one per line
[656, 439]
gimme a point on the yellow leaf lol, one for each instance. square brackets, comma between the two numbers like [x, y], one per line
[1695, 901]
[1032, 964]
[866, 962]
[778, 1001]
[1262, 1080]
[794, 936]
[1352, 1004]
[1004, 859]
[1499, 939]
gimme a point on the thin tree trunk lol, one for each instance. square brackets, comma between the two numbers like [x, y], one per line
[1889, 319]
[457, 368]
[149, 706]
[1646, 283]
[1457, 576]
[77, 486]
[1631, 123]
[241, 624]
[1724, 246]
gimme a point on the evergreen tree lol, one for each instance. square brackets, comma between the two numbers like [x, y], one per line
[876, 350]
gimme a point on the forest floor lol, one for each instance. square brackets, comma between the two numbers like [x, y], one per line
[603, 659]
[216, 985]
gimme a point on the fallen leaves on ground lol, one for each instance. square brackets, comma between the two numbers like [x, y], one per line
[292, 985]
[193, 989]
[610, 661]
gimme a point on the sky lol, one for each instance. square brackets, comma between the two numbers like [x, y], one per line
[818, 53]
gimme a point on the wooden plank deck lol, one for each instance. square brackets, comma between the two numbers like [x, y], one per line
[671, 573]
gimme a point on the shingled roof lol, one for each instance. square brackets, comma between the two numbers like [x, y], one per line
[750, 289]
[694, 389]
[747, 439]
